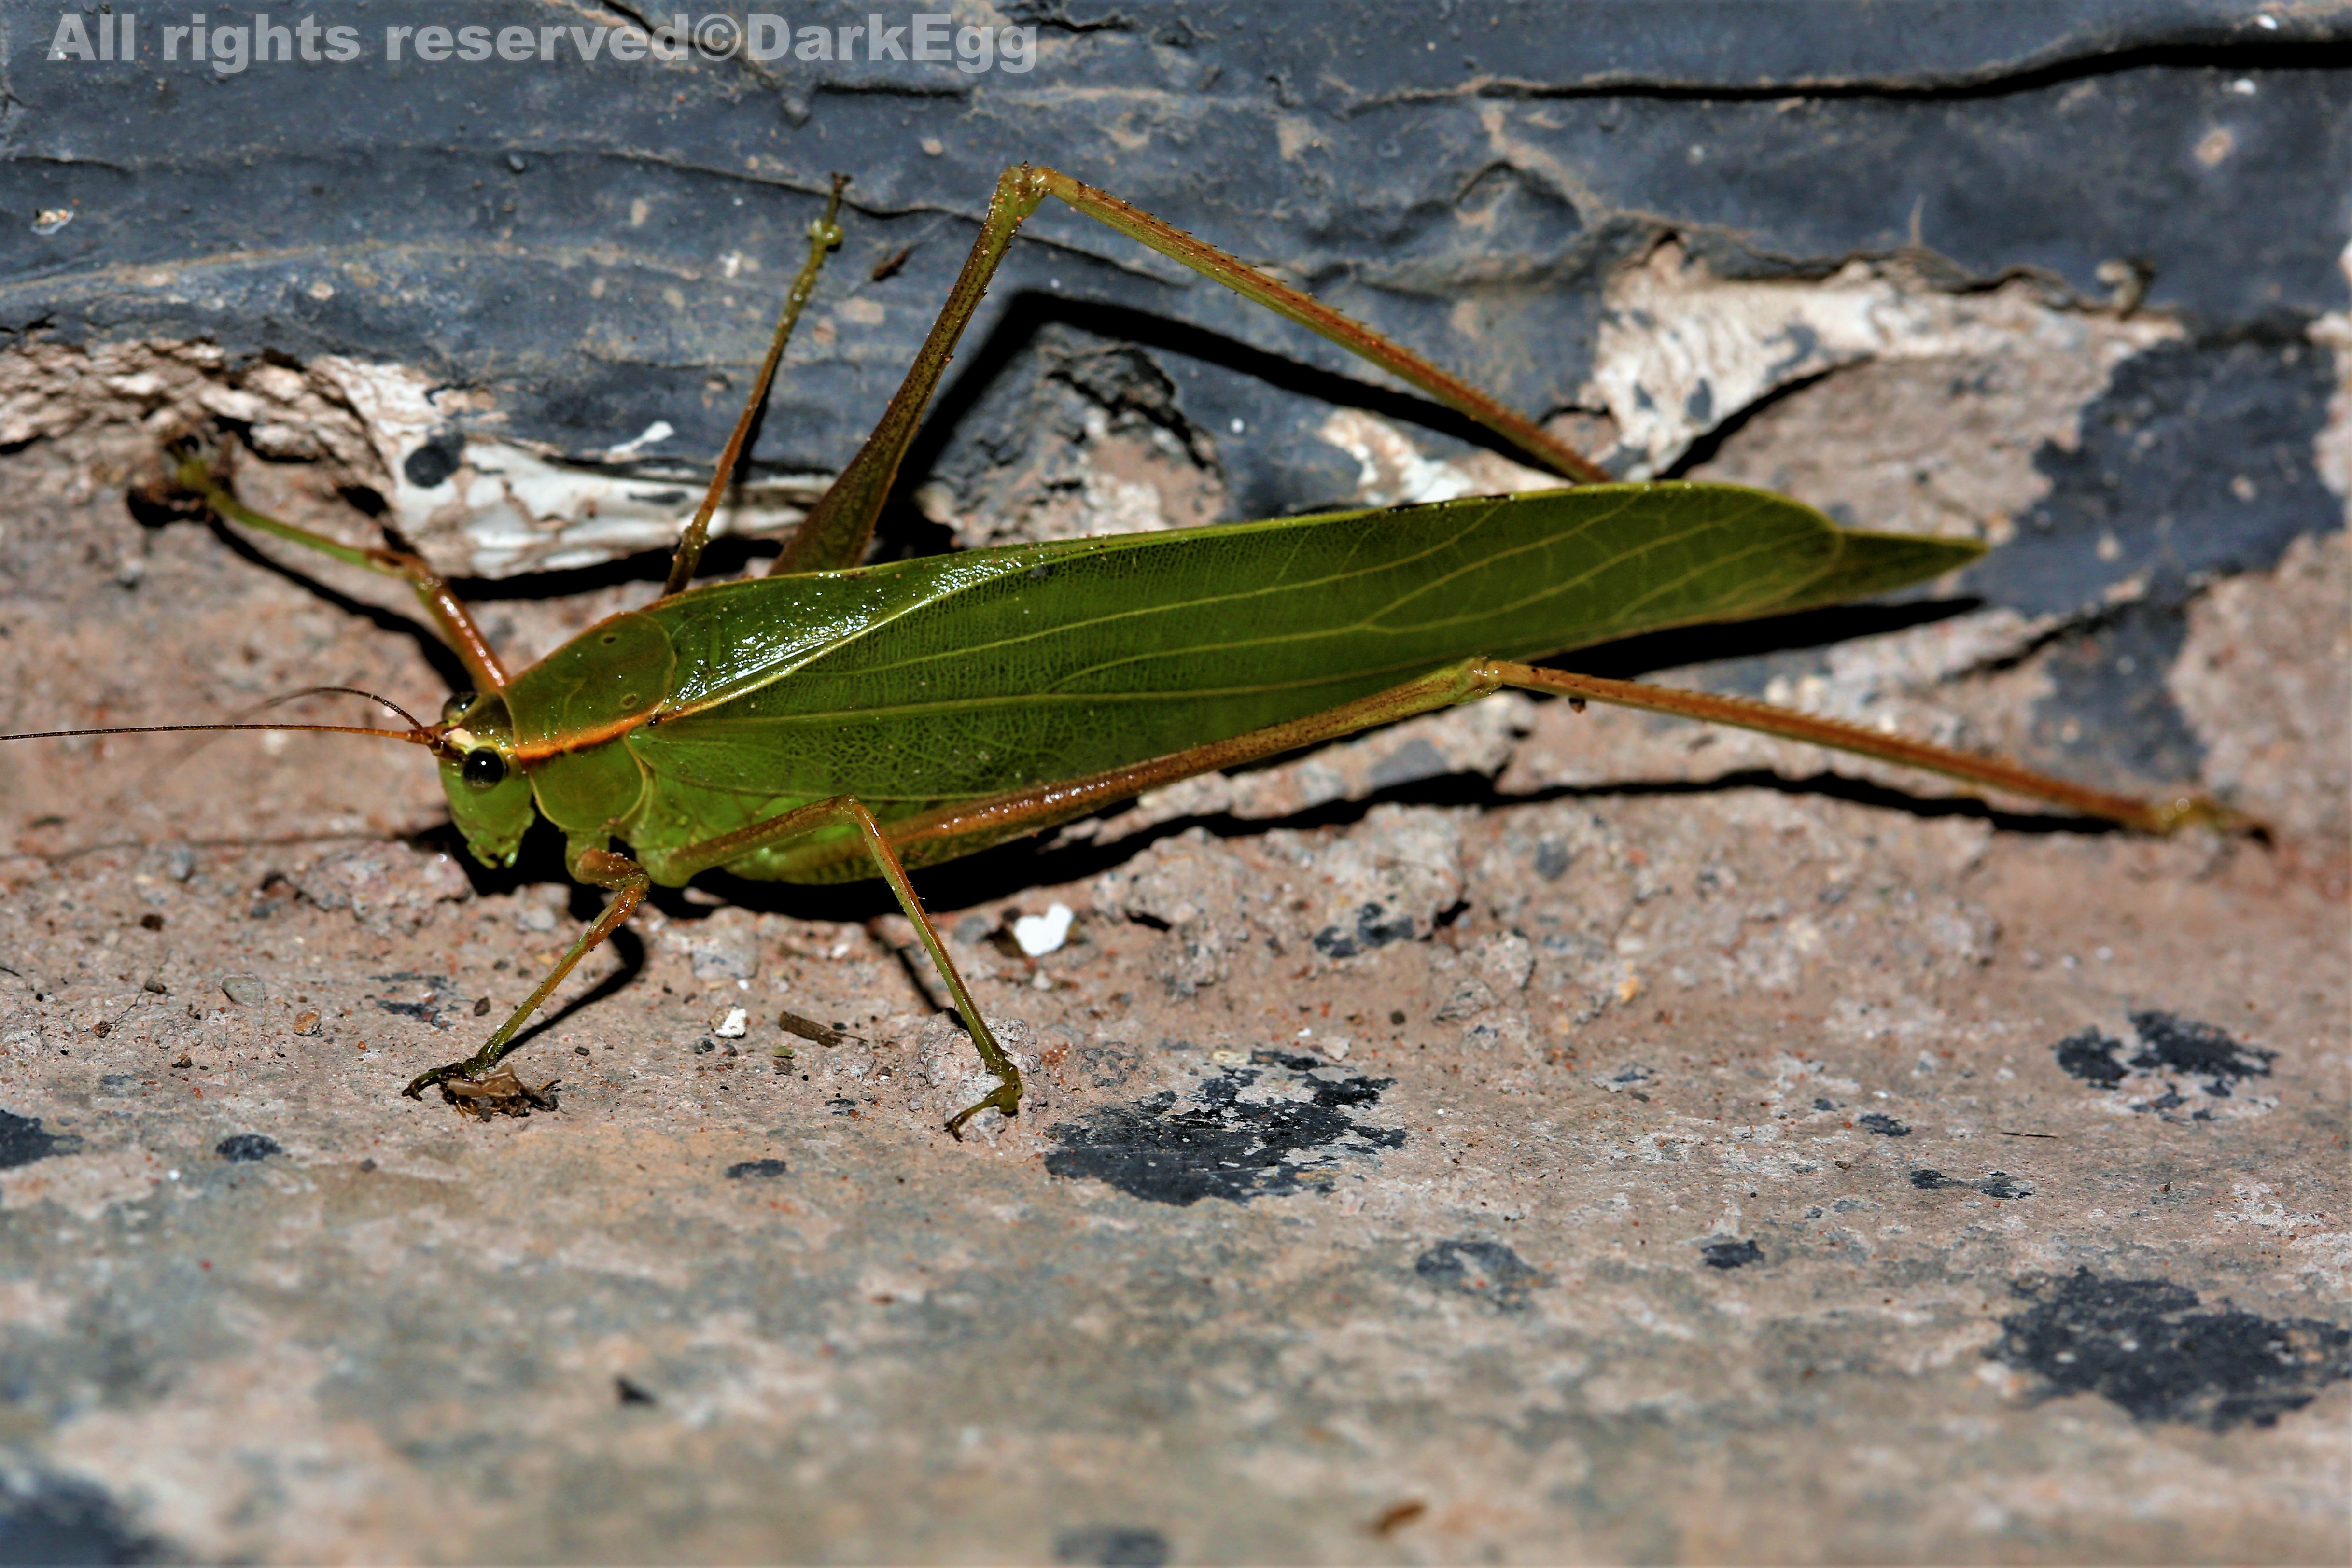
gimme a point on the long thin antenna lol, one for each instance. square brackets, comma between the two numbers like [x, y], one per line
[417, 733]
[419, 736]
[347, 692]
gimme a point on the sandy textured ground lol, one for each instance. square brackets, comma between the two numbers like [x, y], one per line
[1518, 1136]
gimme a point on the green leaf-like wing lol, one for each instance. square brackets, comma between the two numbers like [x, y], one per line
[927, 681]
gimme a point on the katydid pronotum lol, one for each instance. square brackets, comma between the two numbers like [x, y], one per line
[830, 721]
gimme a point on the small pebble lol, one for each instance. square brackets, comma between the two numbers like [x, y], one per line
[735, 1026]
[244, 990]
[1041, 934]
[308, 1024]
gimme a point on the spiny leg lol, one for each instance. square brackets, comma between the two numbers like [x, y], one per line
[2158, 816]
[600, 868]
[456, 621]
[949, 831]
[839, 526]
[848, 811]
[823, 237]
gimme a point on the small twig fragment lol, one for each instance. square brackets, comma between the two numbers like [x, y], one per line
[809, 1029]
[500, 1094]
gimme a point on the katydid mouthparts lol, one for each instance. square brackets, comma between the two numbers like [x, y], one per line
[831, 721]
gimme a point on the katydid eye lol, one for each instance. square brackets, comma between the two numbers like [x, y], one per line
[483, 768]
[455, 709]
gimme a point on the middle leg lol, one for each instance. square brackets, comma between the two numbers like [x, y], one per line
[848, 811]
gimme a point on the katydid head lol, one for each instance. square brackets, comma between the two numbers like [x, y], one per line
[489, 798]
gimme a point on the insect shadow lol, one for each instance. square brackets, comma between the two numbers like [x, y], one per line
[904, 530]
[1026, 865]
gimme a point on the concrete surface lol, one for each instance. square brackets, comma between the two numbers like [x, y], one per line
[1517, 1135]
[1527, 1136]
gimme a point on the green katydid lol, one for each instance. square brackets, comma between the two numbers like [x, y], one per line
[831, 721]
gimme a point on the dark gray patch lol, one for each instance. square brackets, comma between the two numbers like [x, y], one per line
[2183, 1046]
[440, 1007]
[2108, 706]
[2170, 1048]
[24, 1139]
[1112, 1546]
[1996, 1185]
[2091, 1056]
[51, 1520]
[743, 1168]
[841, 1105]
[423, 1012]
[628, 1393]
[2195, 462]
[1487, 1269]
[1552, 859]
[1730, 1253]
[1409, 764]
[2162, 465]
[1886, 1126]
[433, 462]
[2141, 1344]
[240, 1147]
[1225, 1147]
[1374, 926]
[1108, 1065]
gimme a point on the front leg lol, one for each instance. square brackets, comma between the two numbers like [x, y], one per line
[195, 476]
[597, 868]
